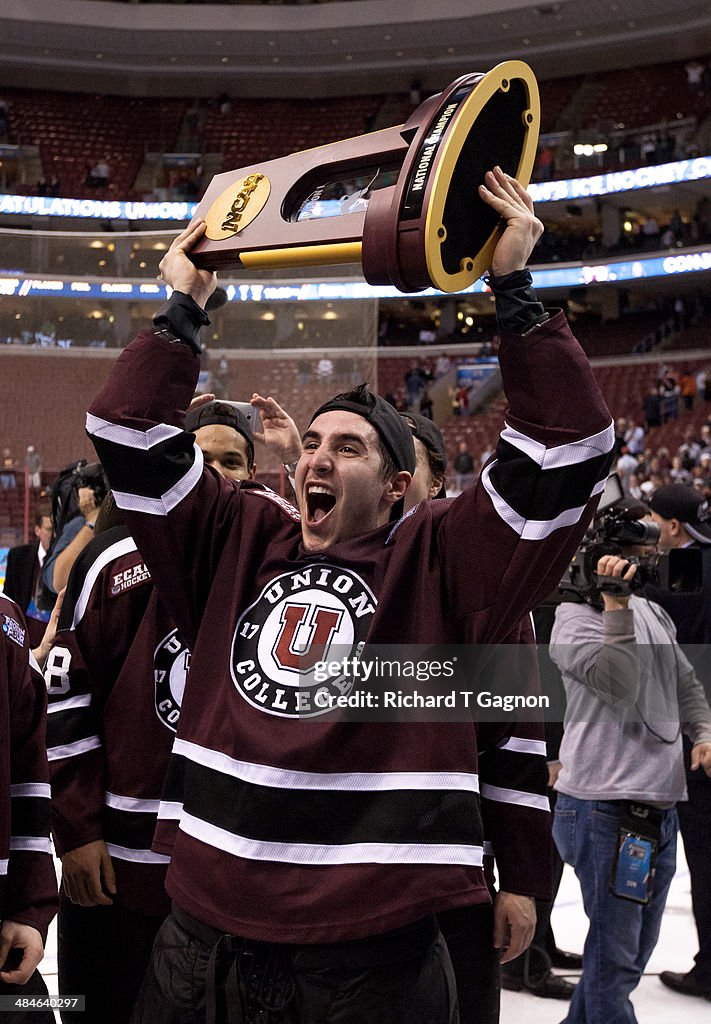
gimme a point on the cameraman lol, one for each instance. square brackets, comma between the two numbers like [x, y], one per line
[91, 488]
[628, 685]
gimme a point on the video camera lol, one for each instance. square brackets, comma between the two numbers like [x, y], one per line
[91, 475]
[618, 524]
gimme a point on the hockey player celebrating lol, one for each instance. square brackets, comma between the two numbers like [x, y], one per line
[311, 853]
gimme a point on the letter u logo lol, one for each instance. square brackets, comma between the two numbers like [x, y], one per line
[305, 636]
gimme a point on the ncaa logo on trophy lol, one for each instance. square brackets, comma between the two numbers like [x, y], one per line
[403, 201]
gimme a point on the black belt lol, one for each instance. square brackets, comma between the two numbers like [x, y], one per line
[247, 982]
[254, 980]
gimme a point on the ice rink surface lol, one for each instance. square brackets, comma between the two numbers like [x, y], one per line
[653, 1002]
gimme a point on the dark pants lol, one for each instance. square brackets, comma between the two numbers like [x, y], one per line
[35, 986]
[695, 823]
[531, 965]
[103, 953]
[469, 934]
[197, 975]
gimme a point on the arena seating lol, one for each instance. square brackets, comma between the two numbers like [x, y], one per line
[256, 130]
[74, 131]
[59, 384]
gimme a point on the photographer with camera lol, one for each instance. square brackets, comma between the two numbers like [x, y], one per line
[88, 490]
[628, 687]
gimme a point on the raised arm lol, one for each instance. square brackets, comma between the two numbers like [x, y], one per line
[526, 514]
[178, 514]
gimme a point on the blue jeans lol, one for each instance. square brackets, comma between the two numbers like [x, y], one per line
[622, 934]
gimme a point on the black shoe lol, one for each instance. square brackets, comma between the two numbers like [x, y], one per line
[685, 983]
[566, 961]
[549, 986]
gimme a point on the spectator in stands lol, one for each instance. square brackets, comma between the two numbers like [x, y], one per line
[546, 163]
[442, 366]
[626, 465]
[669, 392]
[650, 232]
[620, 428]
[634, 437]
[463, 396]
[23, 576]
[463, 467]
[687, 389]
[414, 382]
[690, 449]
[426, 405]
[678, 474]
[324, 370]
[652, 409]
[627, 682]
[224, 103]
[695, 77]
[33, 465]
[98, 175]
[8, 474]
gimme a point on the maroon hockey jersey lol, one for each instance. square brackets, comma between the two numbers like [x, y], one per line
[295, 827]
[28, 885]
[115, 679]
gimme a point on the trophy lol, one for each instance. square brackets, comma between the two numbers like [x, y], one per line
[403, 202]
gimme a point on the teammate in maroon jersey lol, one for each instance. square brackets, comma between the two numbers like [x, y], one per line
[28, 887]
[118, 657]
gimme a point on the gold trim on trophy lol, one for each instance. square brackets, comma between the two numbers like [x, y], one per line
[303, 256]
[435, 234]
[237, 206]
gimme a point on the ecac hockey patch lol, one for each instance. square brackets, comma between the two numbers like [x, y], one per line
[128, 578]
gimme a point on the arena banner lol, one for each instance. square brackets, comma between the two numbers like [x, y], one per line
[679, 262]
[329, 204]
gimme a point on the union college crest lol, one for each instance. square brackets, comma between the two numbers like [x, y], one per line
[318, 613]
[170, 669]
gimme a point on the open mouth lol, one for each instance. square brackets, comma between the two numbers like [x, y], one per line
[319, 502]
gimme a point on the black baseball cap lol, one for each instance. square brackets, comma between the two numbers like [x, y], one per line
[228, 416]
[678, 501]
[395, 434]
[426, 431]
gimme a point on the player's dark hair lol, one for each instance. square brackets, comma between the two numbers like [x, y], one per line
[362, 395]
